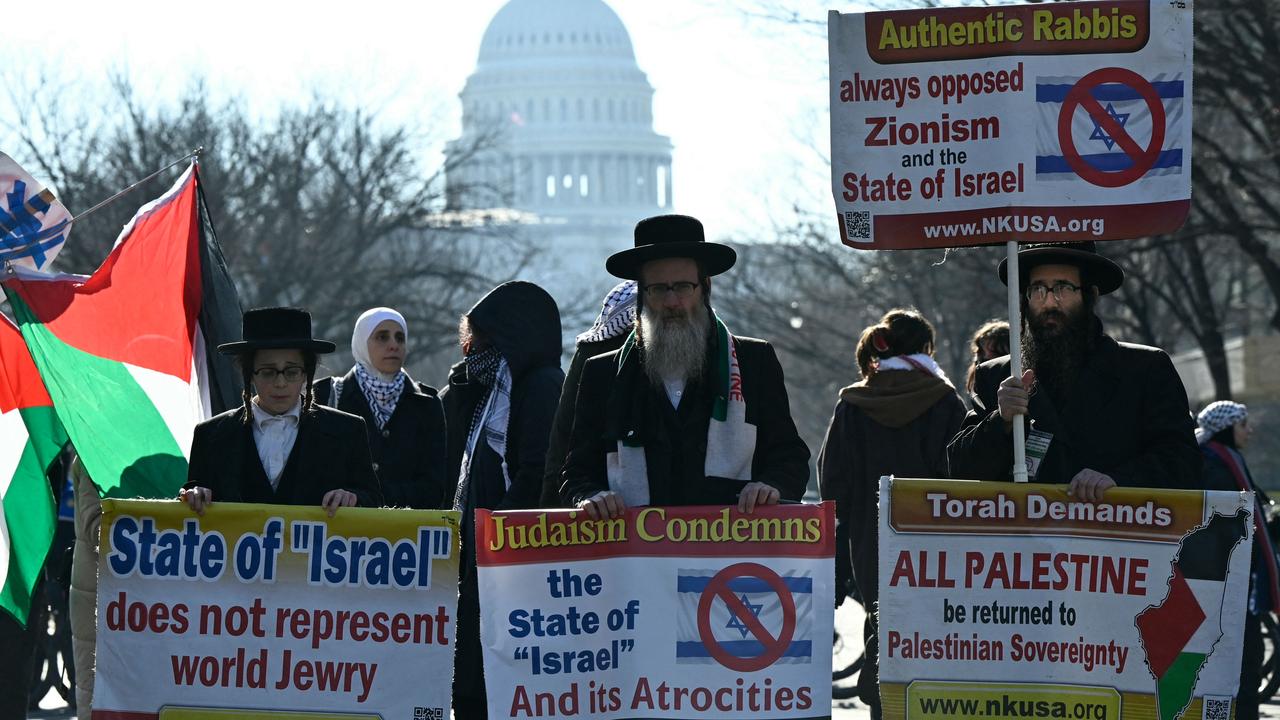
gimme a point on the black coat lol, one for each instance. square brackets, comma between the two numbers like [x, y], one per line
[330, 453]
[523, 322]
[858, 450]
[1126, 417]
[676, 439]
[562, 428]
[409, 451]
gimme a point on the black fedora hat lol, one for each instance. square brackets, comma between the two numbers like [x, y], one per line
[276, 328]
[668, 236]
[1102, 273]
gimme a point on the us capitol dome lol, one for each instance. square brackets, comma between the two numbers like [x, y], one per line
[562, 117]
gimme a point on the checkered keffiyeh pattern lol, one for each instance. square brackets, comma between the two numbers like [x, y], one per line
[1217, 417]
[617, 316]
[381, 394]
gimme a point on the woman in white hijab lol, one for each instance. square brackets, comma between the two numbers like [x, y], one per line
[404, 418]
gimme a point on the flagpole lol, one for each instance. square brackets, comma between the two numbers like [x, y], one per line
[1014, 281]
[193, 154]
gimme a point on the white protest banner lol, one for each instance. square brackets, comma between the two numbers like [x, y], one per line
[664, 612]
[1045, 123]
[1013, 600]
[272, 610]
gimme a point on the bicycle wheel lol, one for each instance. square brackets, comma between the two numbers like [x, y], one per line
[1270, 679]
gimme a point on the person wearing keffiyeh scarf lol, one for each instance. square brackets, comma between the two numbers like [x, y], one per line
[499, 405]
[404, 419]
[1223, 433]
[616, 320]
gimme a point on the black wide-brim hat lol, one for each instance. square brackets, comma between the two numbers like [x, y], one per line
[1101, 272]
[670, 236]
[276, 328]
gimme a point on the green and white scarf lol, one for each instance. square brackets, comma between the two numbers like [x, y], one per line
[731, 441]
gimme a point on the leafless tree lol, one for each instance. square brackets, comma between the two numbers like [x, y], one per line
[324, 205]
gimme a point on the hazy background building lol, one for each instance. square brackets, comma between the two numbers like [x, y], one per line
[564, 117]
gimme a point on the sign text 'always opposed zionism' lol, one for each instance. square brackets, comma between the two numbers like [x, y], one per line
[1016, 600]
[274, 608]
[1047, 122]
[664, 612]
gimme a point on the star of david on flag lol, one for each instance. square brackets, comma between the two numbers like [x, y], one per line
[1110, 127]
[33, 224]
[747, 618]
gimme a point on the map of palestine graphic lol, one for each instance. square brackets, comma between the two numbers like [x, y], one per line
[1179, 634]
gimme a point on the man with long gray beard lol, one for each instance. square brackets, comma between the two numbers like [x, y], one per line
[684, 413]
[1111, 413]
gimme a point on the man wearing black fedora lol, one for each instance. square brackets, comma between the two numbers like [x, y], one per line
[279, 446]
[1111, 413]
[684, 413]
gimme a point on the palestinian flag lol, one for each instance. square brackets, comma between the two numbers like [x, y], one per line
[1179, 633]
[121, 352]
[30, 439]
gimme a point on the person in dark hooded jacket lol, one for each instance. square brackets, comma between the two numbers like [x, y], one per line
[896, 421]
[499, 405]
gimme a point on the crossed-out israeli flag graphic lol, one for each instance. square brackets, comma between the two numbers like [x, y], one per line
[734, 634]
[1090, 138]
[33, 224]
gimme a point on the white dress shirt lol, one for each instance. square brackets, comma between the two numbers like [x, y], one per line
[274, 436]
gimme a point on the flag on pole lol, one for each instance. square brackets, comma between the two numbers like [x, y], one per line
[30, 440]
[122, 353]
[33, 224]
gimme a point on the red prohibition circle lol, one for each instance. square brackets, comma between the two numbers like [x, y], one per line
[1081, 95]
[718, 587]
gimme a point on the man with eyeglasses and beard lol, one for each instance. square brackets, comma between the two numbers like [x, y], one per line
[1111, 413]
[685, 413]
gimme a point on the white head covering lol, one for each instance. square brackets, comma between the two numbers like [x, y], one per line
[365, 325]
[1218, 416]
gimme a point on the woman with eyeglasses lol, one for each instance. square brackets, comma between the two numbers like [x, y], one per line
[280, 447]
[404, 418]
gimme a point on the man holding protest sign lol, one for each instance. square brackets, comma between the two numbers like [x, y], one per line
[684, 413]
[1102, 413]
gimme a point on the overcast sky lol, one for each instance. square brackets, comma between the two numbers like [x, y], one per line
[743, 102]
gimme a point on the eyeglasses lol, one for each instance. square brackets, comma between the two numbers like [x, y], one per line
[291, 374]
[658, 291]
[1039, 292]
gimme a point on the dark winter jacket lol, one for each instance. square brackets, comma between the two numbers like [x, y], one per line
[893, 423]
[330, 453]
[1126, 417]
[675, 440]
[558, 447]
[408, 452]
[522, 320]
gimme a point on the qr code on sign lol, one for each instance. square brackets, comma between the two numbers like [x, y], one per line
[1217, 708]
[426, 713]
[857, 225]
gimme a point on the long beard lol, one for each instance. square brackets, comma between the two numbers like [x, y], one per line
[1057, 353]
[675, 343]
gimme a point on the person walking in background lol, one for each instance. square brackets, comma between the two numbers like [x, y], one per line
[896, 420]
[499, 406]
[404, 419]
[1223, 433]
[616, 321]
[989, 342]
